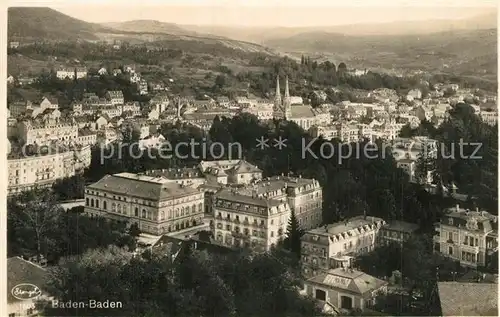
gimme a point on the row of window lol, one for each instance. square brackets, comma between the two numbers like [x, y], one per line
[246, 231]
[146, 214]
[229, 240]
[309, 207]
[314, 260]
[143, 202]
[471, 241]
[470, 257]
[394, 234]
[156, 229]
[306, 219]
[237, 219]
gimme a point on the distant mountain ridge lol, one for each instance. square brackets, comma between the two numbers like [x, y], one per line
[263, 35]
[149, 26]
[45, 24]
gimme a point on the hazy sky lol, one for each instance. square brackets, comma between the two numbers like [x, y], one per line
[272, 13]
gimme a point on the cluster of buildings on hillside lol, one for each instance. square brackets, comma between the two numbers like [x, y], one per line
[252, 212]
[101, 120]
[48, 147]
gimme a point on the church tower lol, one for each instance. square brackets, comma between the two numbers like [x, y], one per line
[278, 105]
[277, 97]
[287, 102]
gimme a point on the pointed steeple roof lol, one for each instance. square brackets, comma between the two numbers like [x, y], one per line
[287, 91]
[278, 93]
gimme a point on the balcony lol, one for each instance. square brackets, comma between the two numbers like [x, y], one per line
[449, 241]
[468, 248]
[240, 235]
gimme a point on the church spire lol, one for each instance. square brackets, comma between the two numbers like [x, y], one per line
[277, 97]
[287, 91]
[287, 101]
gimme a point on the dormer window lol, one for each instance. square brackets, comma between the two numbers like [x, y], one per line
[450, 221]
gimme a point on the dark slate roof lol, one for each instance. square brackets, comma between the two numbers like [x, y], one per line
[145, 187]
[357, 282]
[468, 299]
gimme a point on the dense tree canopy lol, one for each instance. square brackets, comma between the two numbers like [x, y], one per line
[196, 284]
[36, 225]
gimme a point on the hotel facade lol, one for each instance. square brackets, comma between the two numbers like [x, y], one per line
[337, 244]
[242, 221]
[156, 204]
[470, 237]
[42, 170]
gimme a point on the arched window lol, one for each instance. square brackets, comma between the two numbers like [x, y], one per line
[144, 213]
[200, 207]
[92, 202]
[97, 203]
[113, 207]
[119, 208]
[182, 211]
[150, 214]
[162, 215]
[86, 201]
[136, 212]
[177, 212]
[104, 205]
[124, 209]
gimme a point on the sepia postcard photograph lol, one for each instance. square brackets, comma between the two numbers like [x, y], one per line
[250, 159]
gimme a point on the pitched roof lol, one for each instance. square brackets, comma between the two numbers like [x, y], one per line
[468, 299]
[21, 271]
[214, 171]
[234, 197]
[146, 187]
[176, 173]
[245, 167]
[302, 112]
[401, 226]
[353, 281]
